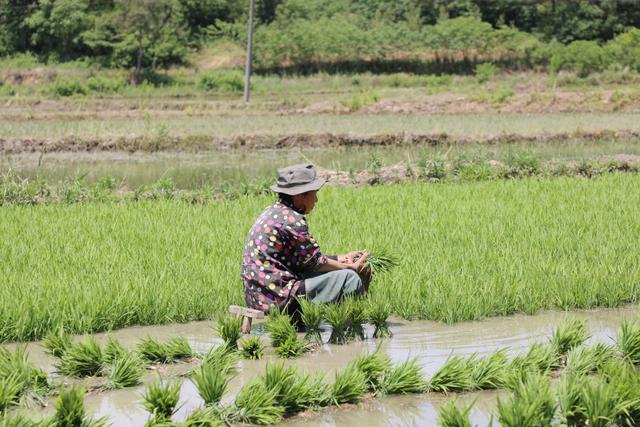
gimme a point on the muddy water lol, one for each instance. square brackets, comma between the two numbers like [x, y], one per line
[430, 342]
[194, 170]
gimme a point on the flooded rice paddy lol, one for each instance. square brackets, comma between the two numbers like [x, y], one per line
[195, 170]
[430, 342]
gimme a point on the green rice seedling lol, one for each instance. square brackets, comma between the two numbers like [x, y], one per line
[178, 348]
[230, 330]
[456, 375]
[378, 312]
[70, 410]
[279, 328]
[21, 421]
[350, 385]
[405, 378]
[381, 261]
[628, 341]
[570, 397]
[82, 359]
[221, 357]
[10, 389]
[337, 315]
[312, 315]
[586, 359]
[293, 347]
[152, 350]
[204, 417]
[57, 342]
[357, 316]
[114, 350]
[569, 334]
[539, 358]
[125, 370]
[451, 415]
[373, 366]
[161, 400]
[489, 372]
[211, 382]
[252, 348]
[625, 379]
[15, 367]
[254, 404]
[530, 404]
[600, 403]
[294, 391]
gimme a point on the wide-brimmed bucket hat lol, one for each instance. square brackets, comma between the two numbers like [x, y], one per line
[297, 179]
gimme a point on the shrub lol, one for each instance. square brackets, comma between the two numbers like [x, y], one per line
[68, 88]
[485, 71]
[625, 49]
[105, 84]
[221, 81]
[583, 57]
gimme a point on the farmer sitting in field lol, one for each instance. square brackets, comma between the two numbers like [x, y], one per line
[281, 260]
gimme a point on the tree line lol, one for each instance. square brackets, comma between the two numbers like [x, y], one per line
[341, 35]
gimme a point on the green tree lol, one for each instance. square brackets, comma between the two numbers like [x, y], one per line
[15, 34]
[149, 33]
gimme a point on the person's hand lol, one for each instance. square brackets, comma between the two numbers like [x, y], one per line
[359, 265]
[349, 258]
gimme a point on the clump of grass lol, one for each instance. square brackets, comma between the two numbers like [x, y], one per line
[489, 372]
[126, 370]
[381, 262]
[357, 316]
[373, 366]
[456, 375]
[254, 404]
[293, 347]
[530, 404]
[211, 382]
[628, 341]
[337, 315]
[451, 415]
[378, 312]
[312, 315]
[114, 350]
[57, 342]
[82, 359]
[177, 348]
[350, 385]
[252, 348]
[569, 334]
[279, 328]
[161, 400]
[405, 378]
[70, 410]
[230, 330]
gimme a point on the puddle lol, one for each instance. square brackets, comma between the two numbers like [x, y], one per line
[430, 342]
[195, 170]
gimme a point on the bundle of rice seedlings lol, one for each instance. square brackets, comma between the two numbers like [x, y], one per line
[569, 334]
[381, 261]
[125, 370]
[279, 328]
[625, 379]
[373, 366]
[211, 382]
[587, 359]
[628, 341]
[15, 367]
[254, 404]
[178, 348]
[82, 359]
[312, 315]
[405, 378]
[152, 350]
[569, 398]
[600, 403]
[10, 389]
[161, 400]
[293, 347]
[114, 350]
[378, 312]
[221, 357]
[531, 403]
[350, 385]
[21, 421]
[451, 415]
[539, 358]
[70, 410]
[204, 417]
[357, 316]
[456, 375]
[230, 330]
[338, 316]
[252, 348]
[490, 372]
[57, 342]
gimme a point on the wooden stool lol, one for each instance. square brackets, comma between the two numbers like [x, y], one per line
[247, 314]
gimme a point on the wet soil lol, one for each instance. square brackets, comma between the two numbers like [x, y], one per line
[430, 342]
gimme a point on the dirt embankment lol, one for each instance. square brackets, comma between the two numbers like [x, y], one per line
[322, 140]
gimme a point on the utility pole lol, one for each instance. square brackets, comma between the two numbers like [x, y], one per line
[247, 67]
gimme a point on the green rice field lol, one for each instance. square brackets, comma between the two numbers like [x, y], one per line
[467, 251]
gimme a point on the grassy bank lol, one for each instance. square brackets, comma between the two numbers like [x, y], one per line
[468, 251]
